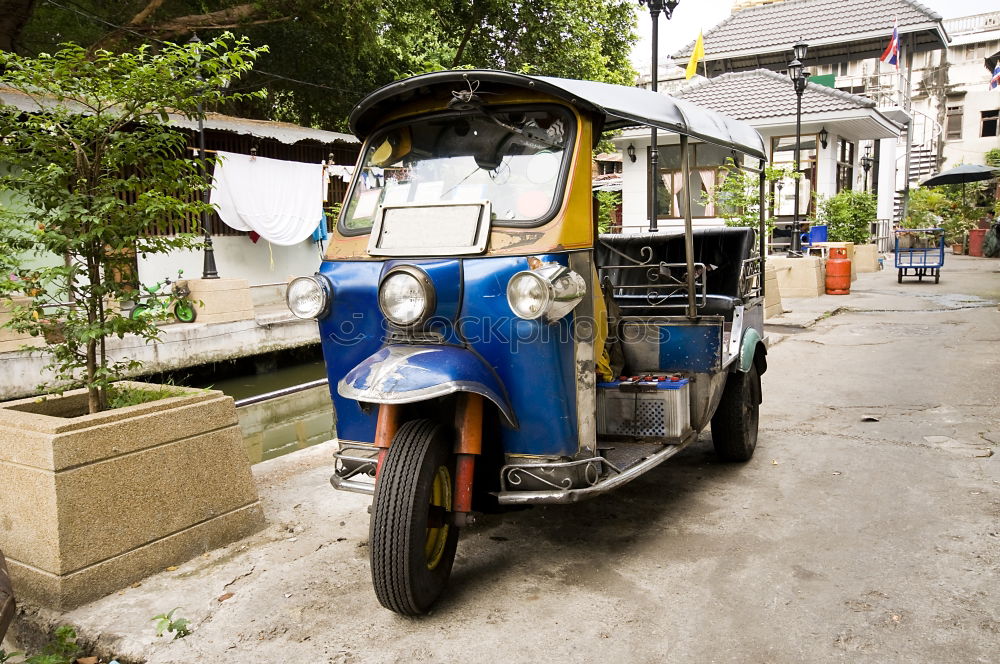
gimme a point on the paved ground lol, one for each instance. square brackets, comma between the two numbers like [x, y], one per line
[865, 529]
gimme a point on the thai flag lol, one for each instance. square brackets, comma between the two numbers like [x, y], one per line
[995, 81]
[891, 52]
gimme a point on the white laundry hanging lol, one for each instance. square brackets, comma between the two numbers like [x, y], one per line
[276, 199]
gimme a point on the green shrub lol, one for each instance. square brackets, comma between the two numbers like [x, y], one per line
[848, 216]
[607, 201]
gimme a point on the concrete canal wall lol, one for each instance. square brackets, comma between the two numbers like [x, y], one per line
[181, 345]
[287, 423]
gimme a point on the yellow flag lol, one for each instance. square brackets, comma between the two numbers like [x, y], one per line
[697, 54]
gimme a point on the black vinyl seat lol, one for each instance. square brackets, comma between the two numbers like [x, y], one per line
[721, 250]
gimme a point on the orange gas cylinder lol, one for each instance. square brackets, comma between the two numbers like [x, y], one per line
[838, 272]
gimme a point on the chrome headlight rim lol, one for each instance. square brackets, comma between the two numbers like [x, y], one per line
[545, 285]
[325, 289]
[426, 284]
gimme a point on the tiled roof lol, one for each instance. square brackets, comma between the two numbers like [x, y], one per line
[816, 21]
[762, 93]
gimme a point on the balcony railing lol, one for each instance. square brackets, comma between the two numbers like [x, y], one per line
[887, 89]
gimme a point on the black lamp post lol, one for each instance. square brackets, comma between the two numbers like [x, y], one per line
[866, 163]
[655, 7]
[208, 270]
[798, 75]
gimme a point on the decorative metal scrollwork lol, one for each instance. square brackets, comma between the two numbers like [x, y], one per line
[562, 476]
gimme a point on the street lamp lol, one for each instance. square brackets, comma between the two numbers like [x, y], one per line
[655, 7]
[797, 73]
[866, 163]
[208, 270]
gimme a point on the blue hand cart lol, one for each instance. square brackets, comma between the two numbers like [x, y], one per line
[919, 253]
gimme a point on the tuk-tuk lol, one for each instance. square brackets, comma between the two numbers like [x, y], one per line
[486, 347]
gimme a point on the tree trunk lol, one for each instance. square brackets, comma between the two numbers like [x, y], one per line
[92, 302]
[460, 52]
[14, 15]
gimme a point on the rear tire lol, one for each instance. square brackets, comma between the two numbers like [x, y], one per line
[734, 425]
[412, 545]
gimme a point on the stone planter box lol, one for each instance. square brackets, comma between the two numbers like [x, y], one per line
[92, 503]
[866, 257]
[221, 300]
[799, 277]
[772, 292]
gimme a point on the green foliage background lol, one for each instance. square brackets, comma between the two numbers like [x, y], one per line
[88, 175]
[342, 50]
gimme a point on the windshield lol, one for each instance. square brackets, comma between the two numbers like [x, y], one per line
[515, 158]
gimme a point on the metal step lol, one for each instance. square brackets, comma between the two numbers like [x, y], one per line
[625, 454]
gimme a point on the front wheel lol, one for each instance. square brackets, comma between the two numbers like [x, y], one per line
[184, 311]
[412, 543]
[734, 425]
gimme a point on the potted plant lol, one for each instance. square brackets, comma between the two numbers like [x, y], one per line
[89, 168]
[849, 216]
[956, 230]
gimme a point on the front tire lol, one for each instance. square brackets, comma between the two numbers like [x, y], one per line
[412, 544]
[184, 311]
[734, 425]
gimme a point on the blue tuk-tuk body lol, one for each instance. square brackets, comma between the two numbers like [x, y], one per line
[486, 346]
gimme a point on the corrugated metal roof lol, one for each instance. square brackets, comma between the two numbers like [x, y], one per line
[763, 93]
[778, 26]
[281, 131]
[284, 132]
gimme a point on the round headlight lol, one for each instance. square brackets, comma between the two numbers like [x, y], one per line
[308, 297]
[529, 295]
[406, 296]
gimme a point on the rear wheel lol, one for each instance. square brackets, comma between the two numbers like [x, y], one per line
[411, 542]
[734, 425]
[138, 311]
[184, 311]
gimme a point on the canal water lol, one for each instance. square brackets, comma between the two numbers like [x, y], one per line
[276, 426]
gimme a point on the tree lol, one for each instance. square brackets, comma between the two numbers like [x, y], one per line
[737, 198]
[88, 174]
[337, 51]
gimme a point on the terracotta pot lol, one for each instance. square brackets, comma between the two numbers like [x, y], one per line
[957, 249]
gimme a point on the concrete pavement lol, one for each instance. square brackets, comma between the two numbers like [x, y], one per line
[865, 529]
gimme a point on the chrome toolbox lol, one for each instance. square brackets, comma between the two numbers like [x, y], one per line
[644, 407]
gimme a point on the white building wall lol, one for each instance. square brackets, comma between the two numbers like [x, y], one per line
[886, 186]
[973, 38]
[236, 258]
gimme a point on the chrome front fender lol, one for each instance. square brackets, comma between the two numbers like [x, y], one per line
[407, 374]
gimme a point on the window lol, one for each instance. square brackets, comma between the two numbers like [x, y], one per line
[988, 123]
[517, 158]
[845, 165]
[953, 122]
[706, 170]
[783, 156]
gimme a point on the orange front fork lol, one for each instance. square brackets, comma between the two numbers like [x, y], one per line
[385, 431]
[467, 447]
